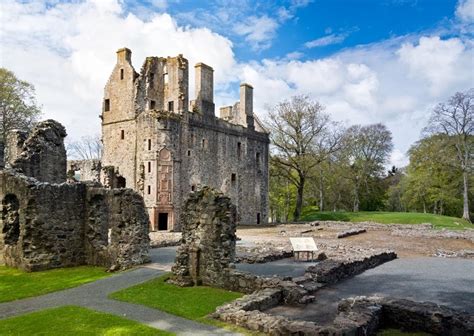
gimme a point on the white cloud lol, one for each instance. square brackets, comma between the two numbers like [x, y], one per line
[258, 31]
[326, 40]
[395, 82]
[68, 50]
[465, 10]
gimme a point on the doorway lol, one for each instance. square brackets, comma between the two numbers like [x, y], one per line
[163, 221]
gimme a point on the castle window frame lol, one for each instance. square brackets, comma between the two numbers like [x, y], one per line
[239, 150]
[151, 79]
[189, 152]
[106, 105]
[149, 166]
[193, 187]
[149, 144]
[233, 179]
[149, 190]
[121, 74]
[122, 134]
[152, 104]
[171, 106]
[165, 78]
[257, 160]
[204, 143]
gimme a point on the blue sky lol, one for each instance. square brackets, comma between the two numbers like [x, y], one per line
[366, 61]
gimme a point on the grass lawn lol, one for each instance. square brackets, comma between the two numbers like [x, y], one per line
[71, 320]
[16, 284]
[439, 222]
[396, 332]
[193, 303]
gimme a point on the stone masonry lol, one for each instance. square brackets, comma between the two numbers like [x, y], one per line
[47, 223]
[208, 240]
[164, 146]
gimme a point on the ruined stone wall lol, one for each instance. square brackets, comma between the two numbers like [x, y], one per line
[208, 240]
[42, 154]
[45, 226]
[85, 170]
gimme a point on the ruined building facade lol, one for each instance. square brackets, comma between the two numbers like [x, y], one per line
[164, 146]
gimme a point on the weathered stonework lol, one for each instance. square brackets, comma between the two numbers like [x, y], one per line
[41, 155]
[164, 147]
[208, 240]
[84, 170]
[48, 225]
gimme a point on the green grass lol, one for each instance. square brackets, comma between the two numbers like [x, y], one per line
[16, 284]
[71, 320]
[396, 332]
[193, 303]
[439, 222]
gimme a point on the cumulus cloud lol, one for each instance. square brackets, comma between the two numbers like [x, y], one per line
[465, 10]
[68, 50]
[396, 82]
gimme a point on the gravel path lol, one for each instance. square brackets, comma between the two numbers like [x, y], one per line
[94, 296]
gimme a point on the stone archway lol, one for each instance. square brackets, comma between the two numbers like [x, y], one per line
[10, 219]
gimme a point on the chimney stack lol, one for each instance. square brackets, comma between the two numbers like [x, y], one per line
[204, 89]
[246, 105]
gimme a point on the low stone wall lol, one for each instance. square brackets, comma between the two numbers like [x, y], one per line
[352, 232]
[331, 271]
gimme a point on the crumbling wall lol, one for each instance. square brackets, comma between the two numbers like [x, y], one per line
[48, 224]
[84, 170]
[42, 154]
[208, 239]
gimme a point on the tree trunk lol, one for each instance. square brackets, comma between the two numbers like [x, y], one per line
[424, 207]
[465, 210]
[356, 199]
[321, 194]
[299, 199]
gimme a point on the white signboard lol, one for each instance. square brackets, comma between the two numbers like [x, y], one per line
[303, 244]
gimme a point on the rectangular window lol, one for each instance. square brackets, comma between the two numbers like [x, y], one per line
[152, 79]
[149, 144]
[257, 160]
[121, 74]
[149, 190]
[239, 150]
[122, 134]
[170, 106]
[193, 188]
[152, 104]
[189, 153]
[107, 105]
[149, 167]
[165, 78]
[204, 143]
[258, 217]
[233, 179]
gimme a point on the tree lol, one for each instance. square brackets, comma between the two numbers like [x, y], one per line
[18, 107]
[366, 149]
[302, 137]
[87, 148]
[455, 119]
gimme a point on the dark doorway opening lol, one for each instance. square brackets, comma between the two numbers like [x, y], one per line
[258, 217]
[121, 182]
[162, 221]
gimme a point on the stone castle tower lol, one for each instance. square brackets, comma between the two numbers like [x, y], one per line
[163, 146]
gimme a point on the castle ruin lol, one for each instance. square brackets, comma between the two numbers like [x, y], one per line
[164, 146]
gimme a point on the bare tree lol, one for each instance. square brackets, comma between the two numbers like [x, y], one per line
[455, 118]
[18, 107]
[302, 137]
[87, 148]
[367, 149]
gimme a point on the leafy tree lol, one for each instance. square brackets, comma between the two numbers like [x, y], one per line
[18, 107]
[366, 149]
[302, 137]
[455, 119]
